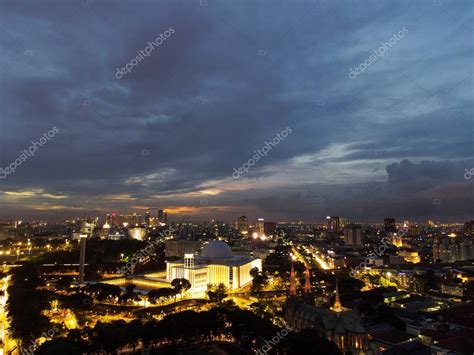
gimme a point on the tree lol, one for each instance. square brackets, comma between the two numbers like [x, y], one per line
[61, 346]
[259, 280]
[64, 282]
[78, 301]
[429, 281]
[216, 294]
[160, 294]
[152, 296]
[130, 288]
[133, 333]
[109, 337]
[181, 285]
[26, 304]
[254, 272]
[103, 291]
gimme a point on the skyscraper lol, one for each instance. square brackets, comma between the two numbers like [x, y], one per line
[261, 226]
[452, 248]
[269, 228]
[162, 216]
[187, 231]
[86, 230]
[336, 224]
[469, 228]
[243, 225]
[353, 235]
[390, 225]
[82, 257]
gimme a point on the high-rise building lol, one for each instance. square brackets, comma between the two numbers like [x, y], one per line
[132, 220]
[336, 224]
[243, 225]
[180, 247]
[469, 228]
[390, 225]
[451, 248]
[269, 228]
[82, 257]
[187, 231]
[414, 230]
[353, 235]
[147, 218]
[466, 249]
[162, 217]
[261, 226]
[86, 230]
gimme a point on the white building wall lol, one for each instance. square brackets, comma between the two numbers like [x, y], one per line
[244, 271]
[212, 274]
[219, 274]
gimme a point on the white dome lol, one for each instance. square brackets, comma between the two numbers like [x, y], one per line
[217, 250]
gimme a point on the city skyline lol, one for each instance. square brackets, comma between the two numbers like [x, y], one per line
[210, 85]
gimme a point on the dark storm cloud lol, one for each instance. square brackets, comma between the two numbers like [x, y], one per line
[232, 76]
[425, 172]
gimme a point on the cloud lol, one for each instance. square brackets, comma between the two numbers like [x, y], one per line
[229, 79]
[427, 173]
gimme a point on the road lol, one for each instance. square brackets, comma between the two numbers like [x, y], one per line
[314, 254]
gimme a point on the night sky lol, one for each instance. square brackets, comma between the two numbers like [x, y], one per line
[394, 141]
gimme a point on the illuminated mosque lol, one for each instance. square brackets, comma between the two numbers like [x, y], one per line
[217, 264]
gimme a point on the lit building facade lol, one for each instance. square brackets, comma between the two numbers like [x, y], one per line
[410, 256]
[217, 264]
[138, 233]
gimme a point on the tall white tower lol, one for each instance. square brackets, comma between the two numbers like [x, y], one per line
[82, 257]
[86, 230]
[189, 261]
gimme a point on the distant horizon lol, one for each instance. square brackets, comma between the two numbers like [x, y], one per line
[252, 221]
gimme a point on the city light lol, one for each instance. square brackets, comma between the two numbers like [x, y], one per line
[249, 177]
